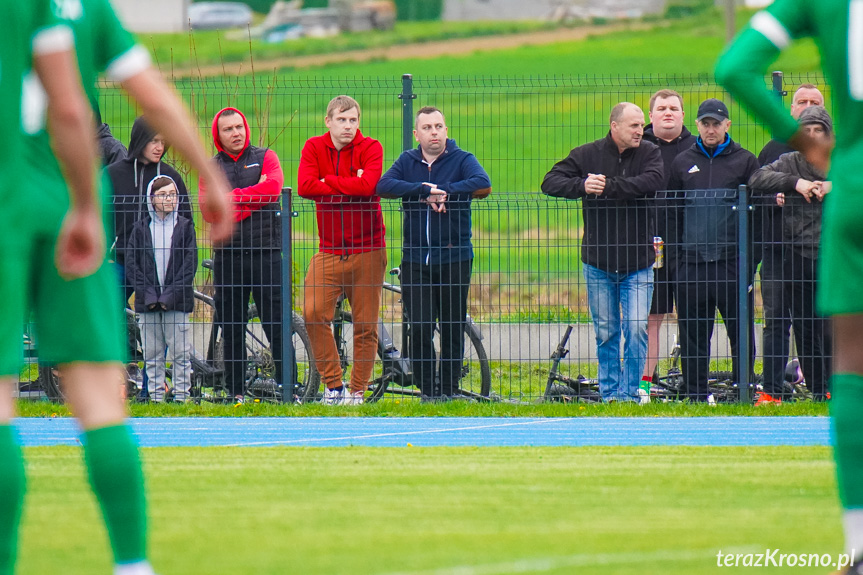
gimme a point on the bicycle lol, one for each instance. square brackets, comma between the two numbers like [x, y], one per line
[669, 387]
[396, 375]
[208, 369]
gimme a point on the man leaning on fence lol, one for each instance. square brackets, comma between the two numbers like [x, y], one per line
[436, 183]
[667, 131]
[707, 274]
[799, 189]
[612, 176]
[250, 262]
[775, 293]
[339, 170]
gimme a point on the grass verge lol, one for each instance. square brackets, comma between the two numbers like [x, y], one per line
[413, 408]
[376, 511]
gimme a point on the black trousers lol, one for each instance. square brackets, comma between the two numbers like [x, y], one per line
[811, 331]
[436, 295]
[777, 318]
[237, 274]
[703, 288]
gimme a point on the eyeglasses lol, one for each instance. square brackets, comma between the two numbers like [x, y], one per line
[164, 196]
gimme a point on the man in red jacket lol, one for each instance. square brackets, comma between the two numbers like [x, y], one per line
[250, 262]
[339, 171]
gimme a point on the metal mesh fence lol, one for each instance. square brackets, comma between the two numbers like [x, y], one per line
[527, 282]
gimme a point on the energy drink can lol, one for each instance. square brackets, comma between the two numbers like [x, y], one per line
[659, 249]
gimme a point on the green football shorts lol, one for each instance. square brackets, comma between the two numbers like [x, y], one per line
[841, 256]
[74, 320]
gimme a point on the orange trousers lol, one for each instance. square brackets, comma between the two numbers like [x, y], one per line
[360, 277]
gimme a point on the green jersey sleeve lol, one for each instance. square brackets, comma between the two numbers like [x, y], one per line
[742, 66]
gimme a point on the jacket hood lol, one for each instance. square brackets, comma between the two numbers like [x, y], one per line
[218, 143]
[648, 131]
[451, 147]
[816, 115]
[151, 209]
[328, 140]
[103, 131]
[141, 135]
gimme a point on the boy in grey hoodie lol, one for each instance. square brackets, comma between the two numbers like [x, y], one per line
[161, 260]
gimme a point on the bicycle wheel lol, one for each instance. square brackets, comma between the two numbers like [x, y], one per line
[49, 381]
[472, 383]
[306, 376]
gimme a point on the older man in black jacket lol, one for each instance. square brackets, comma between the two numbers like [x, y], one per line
[612, 176]
[709, 173]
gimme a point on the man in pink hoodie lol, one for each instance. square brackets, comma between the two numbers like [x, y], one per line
[250, 262]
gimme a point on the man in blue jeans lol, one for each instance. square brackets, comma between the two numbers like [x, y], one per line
[613, 176]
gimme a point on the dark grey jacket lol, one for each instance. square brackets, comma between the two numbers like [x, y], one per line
[801, 221]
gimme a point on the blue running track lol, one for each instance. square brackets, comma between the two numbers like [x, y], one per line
[422, 432]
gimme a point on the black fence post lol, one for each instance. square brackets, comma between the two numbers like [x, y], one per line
[407, 97]
[778, 77]
[288, 383]
[744, 345]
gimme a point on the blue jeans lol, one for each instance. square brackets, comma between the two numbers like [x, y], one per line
[609, 294]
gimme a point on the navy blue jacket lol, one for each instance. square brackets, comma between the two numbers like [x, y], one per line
[178, 292]
[431, 237]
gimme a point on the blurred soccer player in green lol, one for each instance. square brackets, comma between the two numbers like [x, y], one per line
[54, 265]
[837, 28]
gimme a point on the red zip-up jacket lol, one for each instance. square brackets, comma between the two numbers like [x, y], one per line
[348, 211]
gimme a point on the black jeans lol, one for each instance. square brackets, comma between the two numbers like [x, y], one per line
[811, 331]
[237, 274]
[702, 288]
[436, 294]
[777, 318]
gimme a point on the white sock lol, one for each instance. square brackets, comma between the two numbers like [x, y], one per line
[139, 568]
[852, 520]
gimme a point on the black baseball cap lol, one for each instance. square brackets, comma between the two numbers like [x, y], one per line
[712, 108]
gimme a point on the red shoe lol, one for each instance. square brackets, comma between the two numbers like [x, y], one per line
[762, 398]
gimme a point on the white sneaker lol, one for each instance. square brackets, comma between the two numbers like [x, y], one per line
[354, 398]
[334, 396]
[643, 397]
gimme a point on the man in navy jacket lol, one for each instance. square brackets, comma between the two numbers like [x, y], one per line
[436, 182]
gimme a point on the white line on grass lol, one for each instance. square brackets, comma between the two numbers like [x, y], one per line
[540, 565]
[399, 433]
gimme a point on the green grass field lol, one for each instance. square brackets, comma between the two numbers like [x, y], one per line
[401, 407]
[444, 511]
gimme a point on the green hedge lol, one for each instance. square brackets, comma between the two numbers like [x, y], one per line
[406, 9]
[419, 9]
[261, 6]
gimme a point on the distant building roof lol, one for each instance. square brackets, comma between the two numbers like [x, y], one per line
[153, 15]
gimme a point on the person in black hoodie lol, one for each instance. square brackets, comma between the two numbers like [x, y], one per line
[129, 179]
[161, 262]
[667, 131]
[110, 148]
[707, 273]
[612, 176]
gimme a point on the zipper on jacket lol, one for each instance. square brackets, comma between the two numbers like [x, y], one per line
[428, 223]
